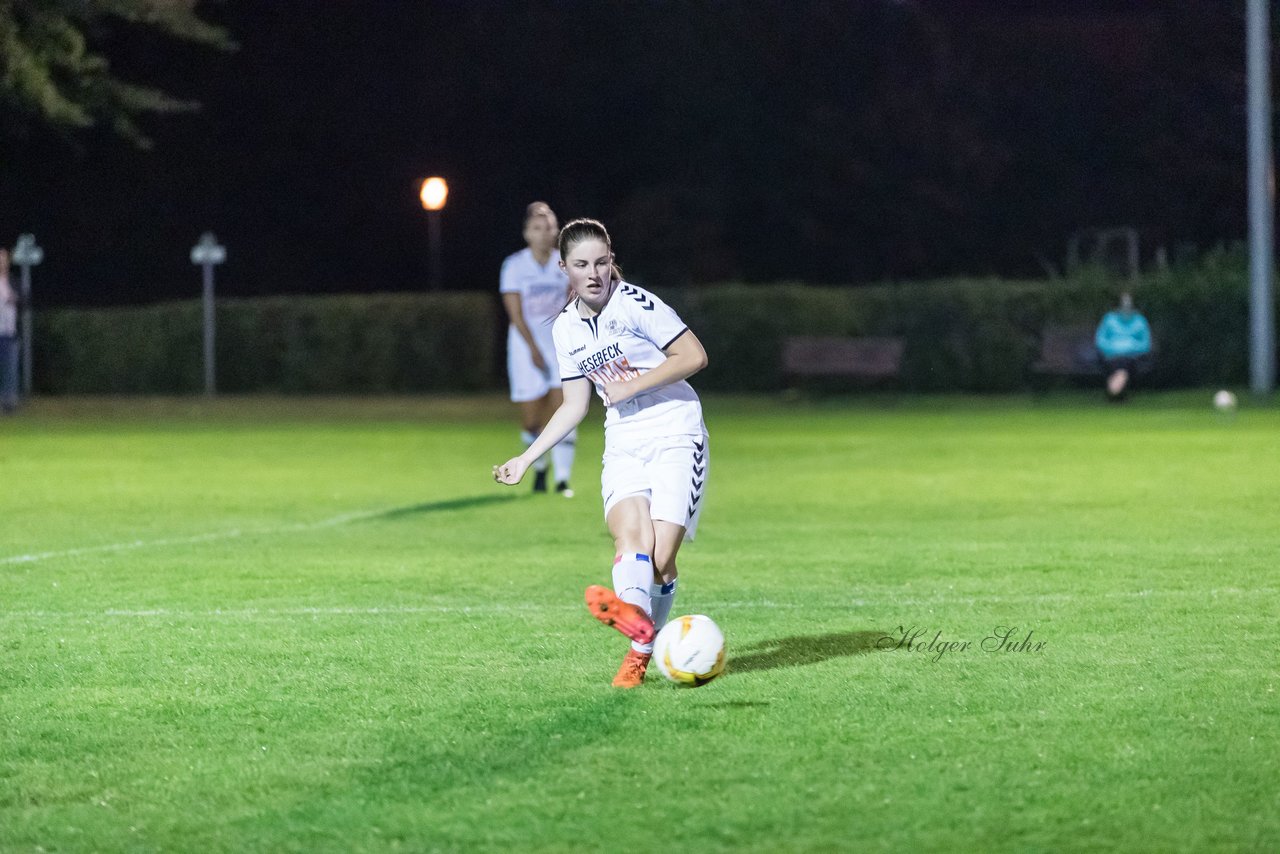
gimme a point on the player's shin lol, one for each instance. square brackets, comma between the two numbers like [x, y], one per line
[662, 596]
[528, 437]
[562, 457]
[632, 578]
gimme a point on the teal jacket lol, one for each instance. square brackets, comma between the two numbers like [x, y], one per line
[1123, 333]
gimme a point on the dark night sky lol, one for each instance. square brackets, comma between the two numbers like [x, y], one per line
[825, 141]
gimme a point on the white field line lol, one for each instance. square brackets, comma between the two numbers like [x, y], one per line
[515, 608]
[231, 534]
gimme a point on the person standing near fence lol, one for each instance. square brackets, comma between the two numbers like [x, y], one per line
[8, 338]
[534, 290]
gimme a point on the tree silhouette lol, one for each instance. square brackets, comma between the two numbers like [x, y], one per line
[51, 72]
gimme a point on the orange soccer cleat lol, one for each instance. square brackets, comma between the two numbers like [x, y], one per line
[627, 618]
[631, 673]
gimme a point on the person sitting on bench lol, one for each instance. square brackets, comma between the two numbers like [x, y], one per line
[1123, 340]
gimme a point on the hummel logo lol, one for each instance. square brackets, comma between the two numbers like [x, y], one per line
[578, 349]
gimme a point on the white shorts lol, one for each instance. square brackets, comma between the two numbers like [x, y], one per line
[527, 382]
[671, 472]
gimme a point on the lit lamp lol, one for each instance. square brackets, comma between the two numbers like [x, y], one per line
[434, 193]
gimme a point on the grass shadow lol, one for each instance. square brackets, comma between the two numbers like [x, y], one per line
[497, 749]
[439, 506]
[801, 650]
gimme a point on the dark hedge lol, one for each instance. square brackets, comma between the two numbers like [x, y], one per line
[964, 335]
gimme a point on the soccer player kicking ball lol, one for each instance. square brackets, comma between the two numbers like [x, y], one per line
[638, 354]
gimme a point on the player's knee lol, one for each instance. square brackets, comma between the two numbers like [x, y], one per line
[633, 540]
[632, 535]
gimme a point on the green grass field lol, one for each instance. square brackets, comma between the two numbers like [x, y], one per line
[264, 625]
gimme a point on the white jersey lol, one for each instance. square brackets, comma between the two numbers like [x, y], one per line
[542, 287]
[625, 340]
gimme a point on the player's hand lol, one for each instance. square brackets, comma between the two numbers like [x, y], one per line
[616, 393]
[511, 471]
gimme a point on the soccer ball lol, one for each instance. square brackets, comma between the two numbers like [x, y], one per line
[1224, 401]
[690, 650]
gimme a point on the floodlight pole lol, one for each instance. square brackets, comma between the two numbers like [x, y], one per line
[26, 329]
[208, 254]
[434, 193]
[433, 240]
[1262, 332]
[210, 329]
[26, 254]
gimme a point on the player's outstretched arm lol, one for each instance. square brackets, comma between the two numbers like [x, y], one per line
[685, 357]
[577, 399]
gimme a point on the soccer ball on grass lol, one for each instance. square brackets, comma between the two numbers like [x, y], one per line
[690, 650]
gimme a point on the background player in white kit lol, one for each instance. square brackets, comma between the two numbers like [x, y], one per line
[534, 288]
[637, 353]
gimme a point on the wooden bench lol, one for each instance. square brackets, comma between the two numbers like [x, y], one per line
[875, 358]
[1067, 351]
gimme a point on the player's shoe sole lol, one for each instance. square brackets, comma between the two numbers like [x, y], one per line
[606, 607]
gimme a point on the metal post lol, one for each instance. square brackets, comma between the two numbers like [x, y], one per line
[26, 254]
[26, 330]
[433, 238]
[1262, 344]
[210, 384]
[208, 254]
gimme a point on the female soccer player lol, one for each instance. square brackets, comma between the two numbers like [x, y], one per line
[533, 288]
[637, 353]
